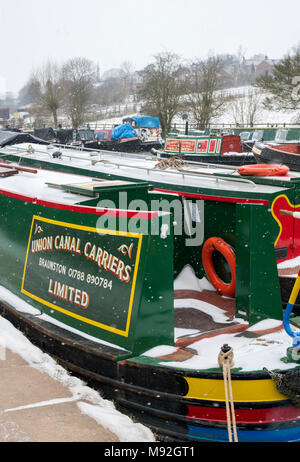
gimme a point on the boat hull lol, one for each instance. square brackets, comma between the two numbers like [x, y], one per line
[279, 154]
[221, 159]
[177, 404]
[120, 146]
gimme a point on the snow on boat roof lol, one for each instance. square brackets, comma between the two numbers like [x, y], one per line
[142, 167]
[35, 185]
[11, 138]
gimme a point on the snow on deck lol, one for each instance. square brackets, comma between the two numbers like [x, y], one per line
[35, 185]
[250, 354]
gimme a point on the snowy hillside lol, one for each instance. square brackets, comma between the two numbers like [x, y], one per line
[247, 101]
[244, 108]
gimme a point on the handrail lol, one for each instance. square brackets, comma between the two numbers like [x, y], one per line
[92, 153]
[183, 173]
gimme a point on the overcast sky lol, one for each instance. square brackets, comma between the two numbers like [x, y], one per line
[110, 32]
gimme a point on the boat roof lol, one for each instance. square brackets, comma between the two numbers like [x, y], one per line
[143, 121]
[65, 190]
[38, 185]
[143, 167]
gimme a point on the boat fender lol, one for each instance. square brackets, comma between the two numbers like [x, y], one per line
[56, 154]
[287, 383]
[263, 170]
[212, 244]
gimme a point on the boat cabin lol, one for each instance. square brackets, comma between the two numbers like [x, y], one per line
[194, 145]
[147, 128]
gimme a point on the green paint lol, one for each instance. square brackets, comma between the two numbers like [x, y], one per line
[250, 229]
[257, 286]
[189, 144]
[49, 246]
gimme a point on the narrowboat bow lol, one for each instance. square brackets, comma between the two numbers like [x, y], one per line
[287, 154]
[108, 273]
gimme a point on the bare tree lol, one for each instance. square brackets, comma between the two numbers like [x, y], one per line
[204, 97]
[127, 69]
[161, 89]
[237, 69]
[48, 89]
[78, 77]
[30, 92]
[246, 108]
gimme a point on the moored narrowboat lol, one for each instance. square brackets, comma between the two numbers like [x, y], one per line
[268, 135]
[111, 274]
[223, 149]
[287, 154]
[148, 130]
[120, 138]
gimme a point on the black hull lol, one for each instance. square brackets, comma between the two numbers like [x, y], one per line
[267, 155]
[91, 144]
[215, 159]
[150, 394]
[247, 146]
[149, 146]
[128, 146]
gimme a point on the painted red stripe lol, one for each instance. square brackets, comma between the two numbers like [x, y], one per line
[234, 329]
[234, 200]
[266, 415]
[83, 208]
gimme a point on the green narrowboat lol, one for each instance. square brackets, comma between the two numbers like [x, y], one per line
[269, 135]
[161, 287]
[218, 148]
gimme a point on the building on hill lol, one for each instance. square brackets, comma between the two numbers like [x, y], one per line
[260, 65]
[266, 66]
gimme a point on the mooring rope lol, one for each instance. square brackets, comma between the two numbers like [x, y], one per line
[225, 360]
[172, 162]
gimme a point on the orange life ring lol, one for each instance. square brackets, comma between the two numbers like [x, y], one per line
[263, 170]
[216, 243]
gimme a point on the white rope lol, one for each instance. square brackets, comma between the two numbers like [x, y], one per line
[225, 360]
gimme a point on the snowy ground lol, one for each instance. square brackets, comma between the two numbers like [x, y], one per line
[88, 400]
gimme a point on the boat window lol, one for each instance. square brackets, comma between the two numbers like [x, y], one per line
[281, 135]
[245, 136]
[258, 135]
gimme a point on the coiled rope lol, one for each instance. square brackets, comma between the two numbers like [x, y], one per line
[225, 360]
[172, 162]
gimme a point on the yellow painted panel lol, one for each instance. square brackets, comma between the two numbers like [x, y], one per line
[243, 390]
